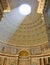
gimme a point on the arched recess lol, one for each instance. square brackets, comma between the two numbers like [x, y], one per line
[24, 53]
[24, 57]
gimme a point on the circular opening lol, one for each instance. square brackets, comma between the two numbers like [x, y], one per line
[25, 9]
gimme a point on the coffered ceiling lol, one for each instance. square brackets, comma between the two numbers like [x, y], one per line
[23, 30]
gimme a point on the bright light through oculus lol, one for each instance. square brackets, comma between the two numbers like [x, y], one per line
[25, 9]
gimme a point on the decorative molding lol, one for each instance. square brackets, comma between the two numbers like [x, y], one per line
[41, 6]
[1, 12]
[4, 7]
[15, 50]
